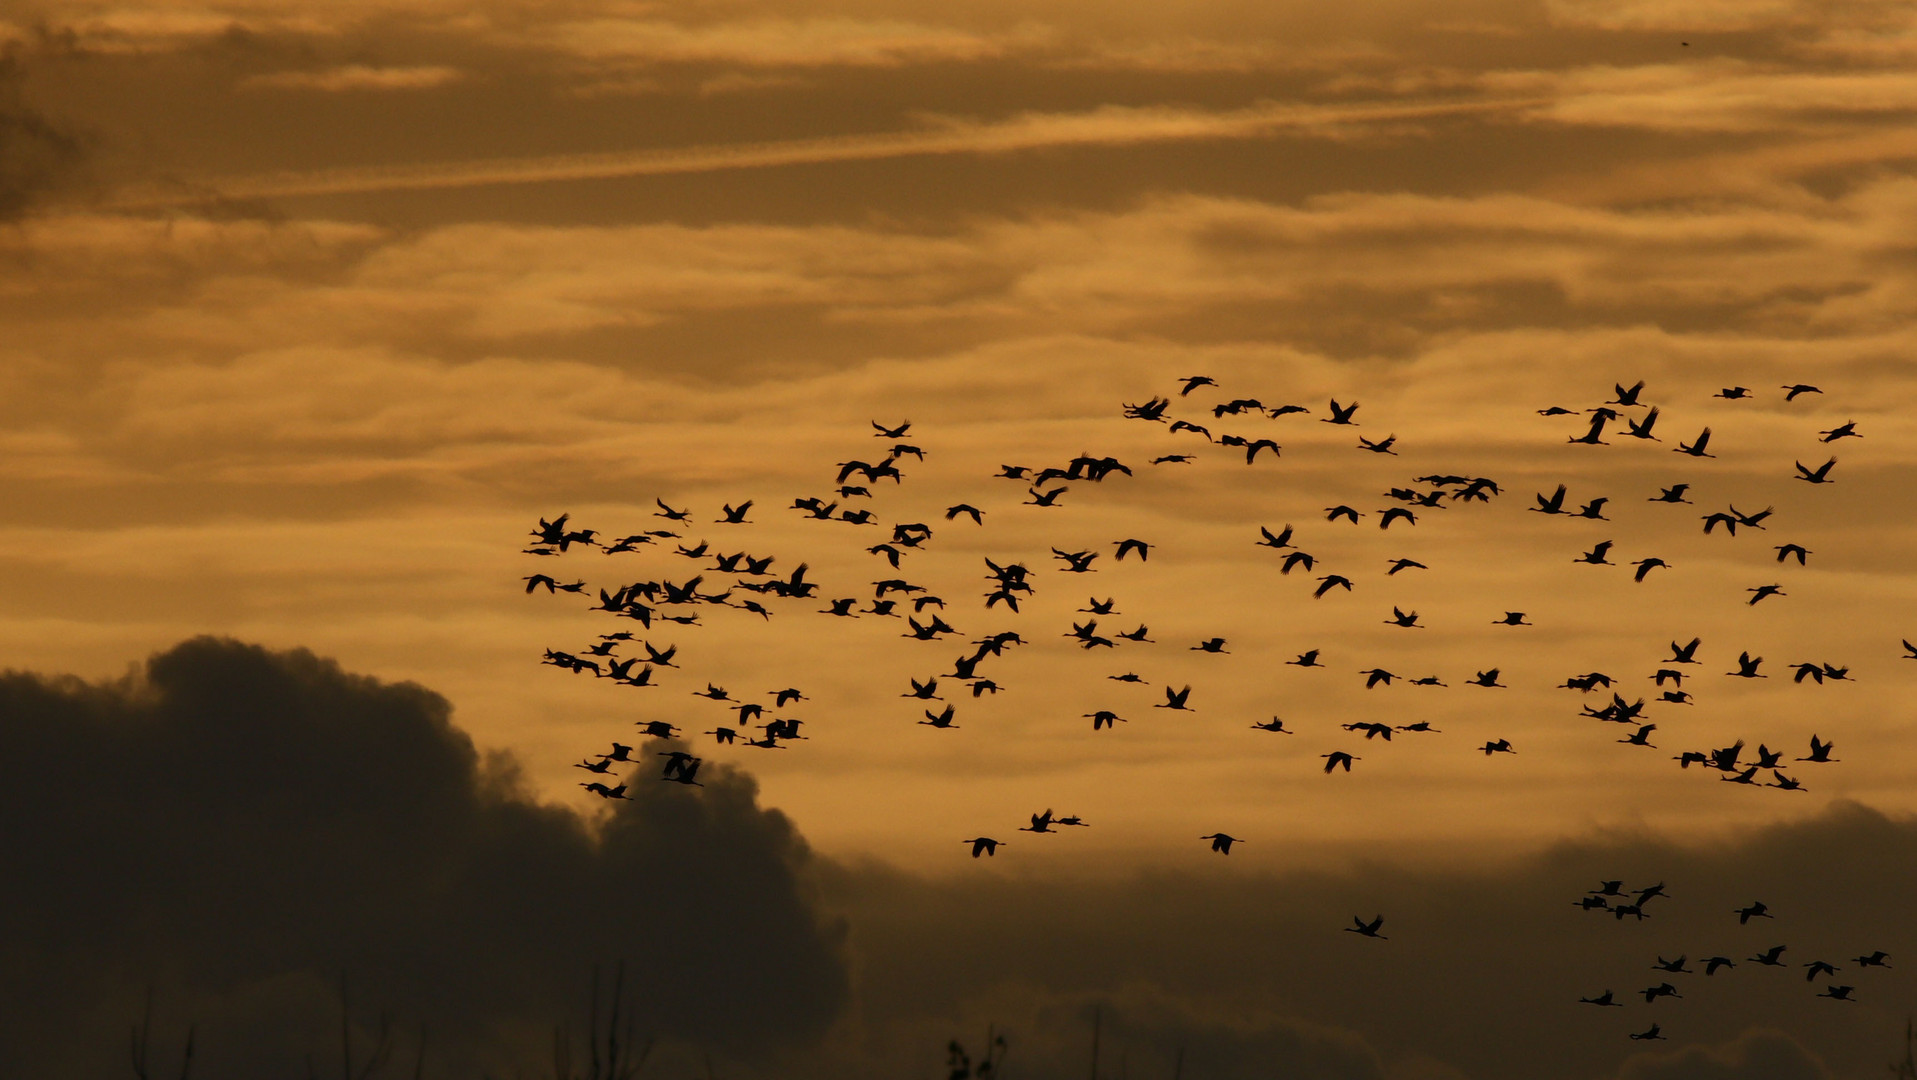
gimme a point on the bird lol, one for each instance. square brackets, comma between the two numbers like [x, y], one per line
[1712, 963]
[1040, 823]
[1732, 393]
[1222, 842]
[1211, 645]
[1399, 617]
[1819, 475]
[1880, 958]
[1597, 555]
[1126, 546]
[1404, 564]
[1274, 724]
[1329, 582]
[1333, 513]
[1652, 993]
[1785, 551]
[1626, 397]
[1193, 382]
[1820, 751]
[604, 792]
[941, 719]
[1645, 566]
[1675, 967]
[983, 845]
[1791, 392]
[1338, 758]
[1549, 504]
[1602, 999]
[1747, 667]
[1838, 993]
[1672, 494]
[1511, 618]
[1309, 658]
[977, 515]
[1762, 591]
[1695, 448]
[1340, 414]
[1366, 929]
[1819, 967]
[1498, 746]
[1382, 446]
[1396, 513]
[1847, 430]
[1278, 540]
[1769, 957]
[1647, 1034]
[1374, 676]
[1175, 699]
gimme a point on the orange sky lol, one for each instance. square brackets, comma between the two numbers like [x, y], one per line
[313, 311]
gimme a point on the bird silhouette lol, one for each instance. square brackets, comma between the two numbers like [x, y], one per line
[1597, 555]
[1847, 430]
[1819, 751]
[983, 845]
[1366, 929]
[1695, 448]
[1329, 582]
[1648, 1034]
[1791, 392]
[1175, 699]
[1819, 475]
[1222, 842]
[1040, 823]
[1602, 999]
[1336, 759]
[1308, 658]
[1340, 414]
[1278, 540]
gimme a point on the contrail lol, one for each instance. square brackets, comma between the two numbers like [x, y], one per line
[1106, 126]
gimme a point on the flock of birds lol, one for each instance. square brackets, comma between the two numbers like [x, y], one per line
[724, 577]
[1613, 898]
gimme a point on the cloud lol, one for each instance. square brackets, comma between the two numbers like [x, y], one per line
[235, 827]
[37, 155]
[1755, 1055]
[357, 77]
[779, 42]
[1110, 125]
[1246, 971]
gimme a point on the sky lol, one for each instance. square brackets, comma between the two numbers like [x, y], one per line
[314, 312]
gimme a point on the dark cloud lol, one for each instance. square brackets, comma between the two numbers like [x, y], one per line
[237, 827]
[1756, 1055]
[1480, 977]
[37, 155]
